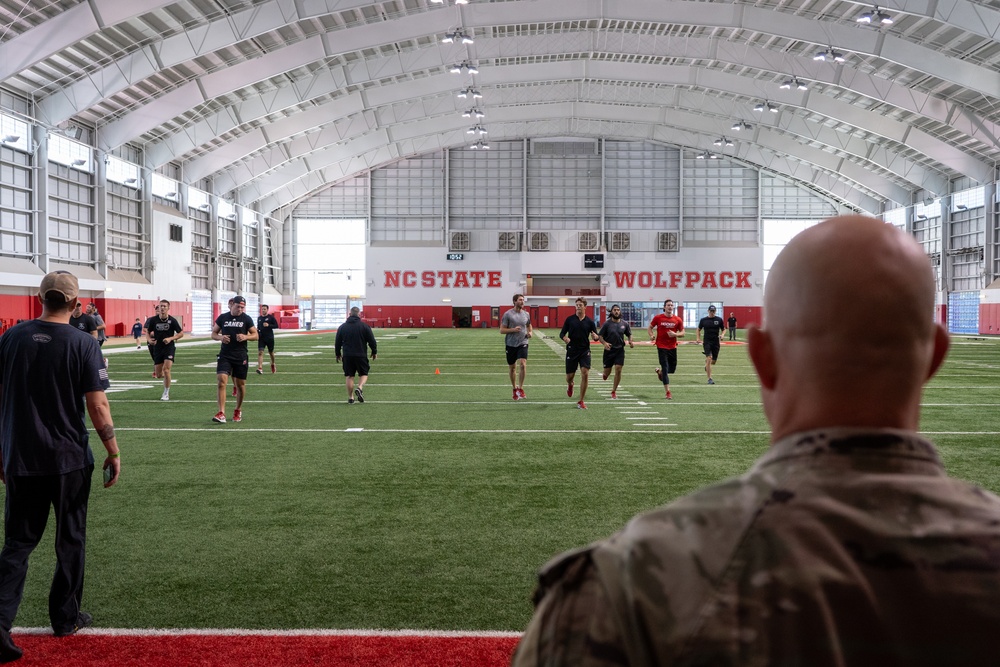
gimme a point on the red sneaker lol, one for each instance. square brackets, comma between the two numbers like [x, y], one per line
[517, 394]
[234, 390]
[659, 375]
[219, 417]
[273, 370]
[614, 396]
[569, 389]
[581, 405]
[669, 396]
[237, 415]
[520, 392]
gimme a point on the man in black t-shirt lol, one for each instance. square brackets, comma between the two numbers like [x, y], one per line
[577, 332]
[233, 329]
[613, 335]
[164, 331]
[713, 327]
[732, 326]
[266, 324]
[48, 373]
[83, 321]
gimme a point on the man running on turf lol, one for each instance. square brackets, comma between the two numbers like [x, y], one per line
[233, 329]
[668, 328]
[266, 324]
[577, 332]
[516, 326]
[164, 331]
[713, 326]
[613, 336]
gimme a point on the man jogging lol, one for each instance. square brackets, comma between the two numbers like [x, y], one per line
[353, 337]
[713, 327]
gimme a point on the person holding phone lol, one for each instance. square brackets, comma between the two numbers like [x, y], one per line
[48, 372]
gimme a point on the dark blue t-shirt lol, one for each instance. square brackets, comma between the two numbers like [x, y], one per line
[266, 333]
[579, 331]
[230, 325]
[46, 368]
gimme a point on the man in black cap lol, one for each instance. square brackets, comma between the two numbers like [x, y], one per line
[713, 327]
[233, 329]
[48, 372]
[354, 337]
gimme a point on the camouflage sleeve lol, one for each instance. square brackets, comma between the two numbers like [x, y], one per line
[572, 624]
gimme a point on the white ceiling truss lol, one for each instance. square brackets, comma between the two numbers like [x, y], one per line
[270, 100]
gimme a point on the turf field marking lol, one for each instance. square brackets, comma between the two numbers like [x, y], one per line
[305, 632]
[221, 427]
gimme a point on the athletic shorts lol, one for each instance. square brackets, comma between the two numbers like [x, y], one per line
[515, 353]
[152, 352]
[163, 353]
[711, 348]
[237, 367]
[265, 344]
[356, 365]
[614, 357]
[668, 362]
[577, 358]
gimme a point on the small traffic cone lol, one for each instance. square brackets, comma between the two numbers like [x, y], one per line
[437, 371]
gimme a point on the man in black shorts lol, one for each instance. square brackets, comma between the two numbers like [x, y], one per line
[713, 327]
[233, 329]
[163, 332]
[266, 324]
[613, 336]
[577, 332]
[353, 337]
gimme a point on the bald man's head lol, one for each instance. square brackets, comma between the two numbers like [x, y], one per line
[848, 335]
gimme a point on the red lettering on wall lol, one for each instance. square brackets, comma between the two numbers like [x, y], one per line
[742, 280]
[427, 279]
[625, 279]
[495, 279]
[477, 278]
[645, 279]
[691, 278]
[409, 278]
[675, 279]
[461, 279]
[659, 280]
[708, 280]
[392, 278]
[726, 280]
[445, 276]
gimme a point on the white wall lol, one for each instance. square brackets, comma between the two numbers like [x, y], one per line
[172, 259]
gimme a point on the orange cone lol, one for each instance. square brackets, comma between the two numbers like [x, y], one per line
[437, 371]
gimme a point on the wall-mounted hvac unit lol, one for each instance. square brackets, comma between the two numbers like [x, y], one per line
[509, 241]
[620, 242]
[588, 241]
[458, 241]
[538, 240]
[668, 242]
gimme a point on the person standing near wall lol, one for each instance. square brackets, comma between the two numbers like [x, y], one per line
[515, 325]
[266, 324]
[48, 373]
[354, 338]
[731, 322]
[137, 333]
[664, 329]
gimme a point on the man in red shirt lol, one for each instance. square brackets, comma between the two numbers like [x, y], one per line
[668, 328]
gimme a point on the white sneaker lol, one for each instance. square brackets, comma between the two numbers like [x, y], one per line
[166, 395]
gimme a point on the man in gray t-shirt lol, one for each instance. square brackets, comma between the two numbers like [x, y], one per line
[515, 325]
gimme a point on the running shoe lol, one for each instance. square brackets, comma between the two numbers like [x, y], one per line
[607, 372]
[358, 394]
[237, 415]
[520, 392]
[669, 396]
[569, 389]
[83, 620]
[659, 374]
[517, 394]
[614, 396]
[581, 405]
[219, 417]
[350, 401]
[166, 395]
[260, 372]
[234, 389]
[273, 369]
[711, 381]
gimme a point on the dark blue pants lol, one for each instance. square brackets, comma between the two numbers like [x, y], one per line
[668, 362]
[26, 512]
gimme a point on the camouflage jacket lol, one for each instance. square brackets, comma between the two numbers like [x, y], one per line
[838, 547]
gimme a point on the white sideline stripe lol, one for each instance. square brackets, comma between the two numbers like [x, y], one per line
[238, 632]
[648, 417]
[491, 431]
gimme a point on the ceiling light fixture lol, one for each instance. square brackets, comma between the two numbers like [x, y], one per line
[829, 55]
[470, 92]
[761, 107]
[480, 146]
[876, 15]
[796, 82]
[473, 112]
[131, 181]
[741, 125]
[724, 141]
[79, 162]
[457, 36]
[170, 195]
[11, 139]
[476, 129]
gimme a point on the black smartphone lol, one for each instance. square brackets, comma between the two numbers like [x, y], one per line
[109, 472]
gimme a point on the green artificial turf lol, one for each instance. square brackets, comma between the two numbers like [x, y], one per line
[433, 503]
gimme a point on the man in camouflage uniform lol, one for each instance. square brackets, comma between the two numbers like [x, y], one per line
[846, 543]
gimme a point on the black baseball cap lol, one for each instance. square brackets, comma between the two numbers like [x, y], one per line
[711, 308]
[239, 299]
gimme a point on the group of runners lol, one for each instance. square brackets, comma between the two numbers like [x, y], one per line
[579, 330]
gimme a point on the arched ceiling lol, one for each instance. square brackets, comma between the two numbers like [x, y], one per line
[271, 100]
